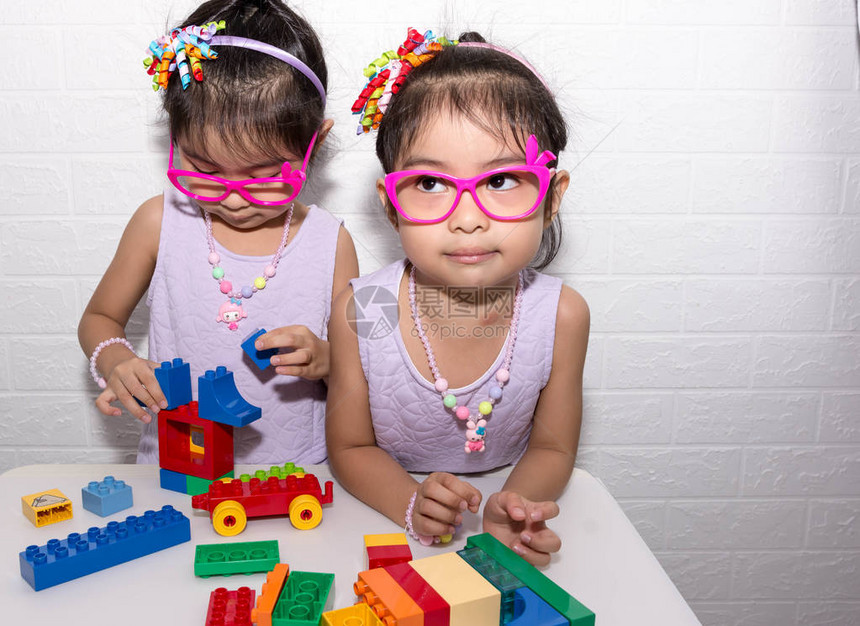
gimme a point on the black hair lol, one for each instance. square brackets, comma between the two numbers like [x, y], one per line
[254, 103]
[491, 89]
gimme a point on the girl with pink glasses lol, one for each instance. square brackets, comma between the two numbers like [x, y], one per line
[483, 365]
[229, 247]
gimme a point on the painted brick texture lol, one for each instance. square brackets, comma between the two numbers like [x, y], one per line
[713, 224]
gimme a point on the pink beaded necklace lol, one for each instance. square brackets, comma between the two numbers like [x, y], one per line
[475, 424]
[232, 311]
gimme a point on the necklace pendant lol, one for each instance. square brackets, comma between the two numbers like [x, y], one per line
[231, 313]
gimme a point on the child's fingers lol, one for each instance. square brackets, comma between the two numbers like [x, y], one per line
[434, 510]
[535, 557]
[541, 511]
[298, 357]
[103, 403]
[295, 336]
[451, 492]
[124, 395]
[150, 383]
[542, 540]
[513, 504]
[423, 525]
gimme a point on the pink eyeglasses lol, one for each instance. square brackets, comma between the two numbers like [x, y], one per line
[263, 191]
[506, 193]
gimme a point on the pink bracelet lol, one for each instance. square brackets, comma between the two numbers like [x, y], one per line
[100, 381]
[425, 540]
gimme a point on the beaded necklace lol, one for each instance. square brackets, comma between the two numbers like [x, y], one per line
[232, 311]
[475, 424]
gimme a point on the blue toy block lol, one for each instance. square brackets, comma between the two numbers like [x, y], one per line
[60, 561]
[219, 400]
[531, 610]
[106, 497]
[261, 358]
[174, 481]
[174, 378]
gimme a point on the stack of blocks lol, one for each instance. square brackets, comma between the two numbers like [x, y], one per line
[388, 549]
[485, 584]
[195, 439]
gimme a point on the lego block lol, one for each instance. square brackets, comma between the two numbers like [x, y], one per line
[231, 503]
[437, 612]
[276, 471]
[174, 481]
[303, 599]
[261, 358]
[575, 612]
[387, 539]
[389, 601]
[193, 446]
[531, 610]
[174, 378]
[224, 559]
[63, 560]
[498, 576]
[230, 608]
[106, 497]
[356, 615]
[46, 507]
[220, 401]
[473, 600]
[261, 614]
[195, 485]
[380, 556]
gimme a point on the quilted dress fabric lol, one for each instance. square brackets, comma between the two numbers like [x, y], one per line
[184, 299]
[409, 420]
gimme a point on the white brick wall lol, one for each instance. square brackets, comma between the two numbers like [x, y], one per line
[713, 224]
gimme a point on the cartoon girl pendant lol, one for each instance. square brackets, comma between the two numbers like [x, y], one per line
[231, 312]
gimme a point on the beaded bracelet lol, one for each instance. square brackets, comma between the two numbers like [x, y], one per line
[100, 381]
[425, 540]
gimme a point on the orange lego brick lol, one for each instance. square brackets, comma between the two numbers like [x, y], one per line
[261, 615]
[388, 539]
[389, 601]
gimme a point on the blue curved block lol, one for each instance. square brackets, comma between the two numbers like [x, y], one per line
[62, 560]
[531, 610]
[174, 378]
[218, 400]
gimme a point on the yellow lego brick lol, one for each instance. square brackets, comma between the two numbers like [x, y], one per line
[473, 600]
[389, 539]
[355, 615]
[46, 507]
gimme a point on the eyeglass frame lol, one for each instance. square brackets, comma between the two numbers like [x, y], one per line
[294, 178]
[535, 164]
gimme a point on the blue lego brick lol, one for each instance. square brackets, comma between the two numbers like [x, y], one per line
[62, 560]
[219, 400]
[531, 610]
[174, 378]
[261, 358]
[174, 481]
[106, 497]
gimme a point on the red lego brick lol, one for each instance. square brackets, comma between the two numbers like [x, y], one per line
[230, 608]
[380, 556]
[437, 612]
[190, 445]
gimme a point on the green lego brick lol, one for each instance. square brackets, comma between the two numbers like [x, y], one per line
[275, 470]
[224, 559]
[496, 575]
[195, 486]
[531, 577]
[303, 599]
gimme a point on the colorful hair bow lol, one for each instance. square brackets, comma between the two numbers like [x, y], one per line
[176, 51]
[387, 73]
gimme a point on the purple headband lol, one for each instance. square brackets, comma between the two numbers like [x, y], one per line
[189, 45]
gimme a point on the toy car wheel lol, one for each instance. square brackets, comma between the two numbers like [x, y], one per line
[305, 512]
[229, 518]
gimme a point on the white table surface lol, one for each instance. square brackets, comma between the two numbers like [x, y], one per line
[603, 563]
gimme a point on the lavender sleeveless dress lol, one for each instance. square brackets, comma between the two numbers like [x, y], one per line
[409, 420]
[184, 298]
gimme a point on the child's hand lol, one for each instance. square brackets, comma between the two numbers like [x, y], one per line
[302, 352]
[130, 379]
[440, 503]
[520, 524]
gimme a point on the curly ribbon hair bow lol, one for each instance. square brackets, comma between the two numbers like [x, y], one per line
[176, 51]
[387, 73]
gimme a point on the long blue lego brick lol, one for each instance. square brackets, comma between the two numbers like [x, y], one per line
[62, 560]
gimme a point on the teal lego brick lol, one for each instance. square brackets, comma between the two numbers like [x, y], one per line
[62, 560]
[497, 576]
[225, 559]
[303, 599]
[531, 577]
[107, 496]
